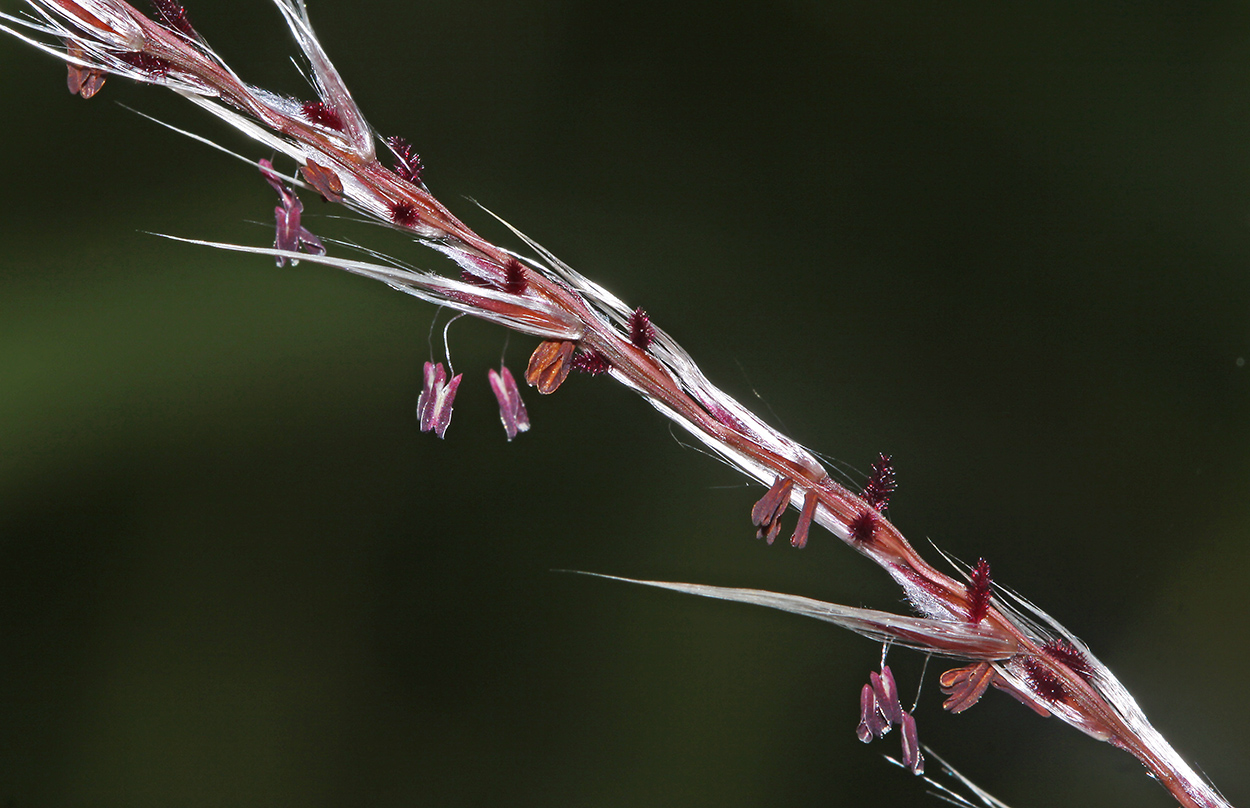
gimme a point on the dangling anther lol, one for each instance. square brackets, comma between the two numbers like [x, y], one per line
[82, 81]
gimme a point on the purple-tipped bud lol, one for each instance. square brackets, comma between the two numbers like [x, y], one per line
[912, 757]
[291, 235]
[511, 407]
[437, 395]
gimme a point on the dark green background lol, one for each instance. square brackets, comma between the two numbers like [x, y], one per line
[1009, 246]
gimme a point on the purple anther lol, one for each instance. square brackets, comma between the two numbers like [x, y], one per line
[887, 695]
[871, 723]
[291, 235]
[511, 407]
[912, 757]
[437, 395]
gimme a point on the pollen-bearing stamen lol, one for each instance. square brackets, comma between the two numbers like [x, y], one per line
[965, 685]
[549, 365]
[913, 758]
[799, 539]
[291, 235]
[511, 408]
[323, 180]
[549, 300]
[437, 395]
[880, 709]
[82, 81]
[766, 515]
[872, 723]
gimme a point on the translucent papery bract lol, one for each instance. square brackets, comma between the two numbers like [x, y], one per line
[536, 317]
[951, 639]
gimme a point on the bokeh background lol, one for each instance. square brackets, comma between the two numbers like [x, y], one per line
[1009, 246]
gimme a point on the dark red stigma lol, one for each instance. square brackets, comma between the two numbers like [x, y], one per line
[404, 214]
[591, 362]
[1043, 681]
[979, 592]
[322, 115]
[864, 527]
[1067, 653]
[152, 65]
[880, 483]
[408, 163]
[641, 332]
[515, 281]
[175, 16]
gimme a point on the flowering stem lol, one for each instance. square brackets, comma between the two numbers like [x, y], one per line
[1010, 645]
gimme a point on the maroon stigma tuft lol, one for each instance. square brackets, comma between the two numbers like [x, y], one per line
[979, 592]
[641, 332]
[154, 66]
[591, 362]
[319, 113]
[880, 484]
[404, 214]
[174, 16]
[864, 528]
[515, 281]
[408, 165]
[1043, 680]
[1071, 656]
[474, 279]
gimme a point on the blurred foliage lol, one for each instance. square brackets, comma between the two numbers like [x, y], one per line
[1008, 246]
